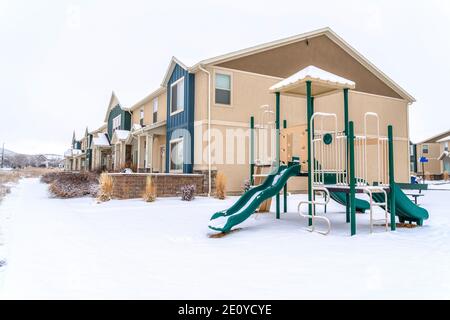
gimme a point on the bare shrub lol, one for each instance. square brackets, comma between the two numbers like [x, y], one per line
[446, 175]
[150, 190]
[188, 192]
[72, 184]
[427, 176]
[106, 187]
[221, 184]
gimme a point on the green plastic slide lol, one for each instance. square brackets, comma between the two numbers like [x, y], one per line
[405, 209]
[247, 204]
[340, 197]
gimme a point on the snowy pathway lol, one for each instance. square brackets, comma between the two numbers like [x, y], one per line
[132, 249]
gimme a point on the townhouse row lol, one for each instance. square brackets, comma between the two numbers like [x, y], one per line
[198, 120]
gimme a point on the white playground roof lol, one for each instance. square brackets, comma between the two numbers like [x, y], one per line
[322, 82]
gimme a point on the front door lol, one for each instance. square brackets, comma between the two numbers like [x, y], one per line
[128, 159]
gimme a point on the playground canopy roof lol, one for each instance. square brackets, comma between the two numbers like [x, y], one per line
[322, 82]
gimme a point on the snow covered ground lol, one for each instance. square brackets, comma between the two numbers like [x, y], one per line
[438, 185]
[133, 249]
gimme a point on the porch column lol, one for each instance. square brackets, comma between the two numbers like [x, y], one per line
[138, 153]
[149, 151]
[123, 154]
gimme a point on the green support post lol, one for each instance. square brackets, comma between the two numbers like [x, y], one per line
[277, 127]
[391, 176]
[351, 143]
[285, 186]
[252, 150]
[308, 120]
[347, 196]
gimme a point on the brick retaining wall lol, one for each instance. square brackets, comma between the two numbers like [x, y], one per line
[132, 185]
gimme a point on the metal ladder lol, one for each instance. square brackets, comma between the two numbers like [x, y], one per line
[369, 190]
[313, 217]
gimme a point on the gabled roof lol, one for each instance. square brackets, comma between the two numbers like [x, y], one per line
[173, 62]
[100, 129]
[436, 137]
[447, 138]
[101, 140]
[114, 101]
[120, 135]
[304, 36]
[323, 82]
[149, 97]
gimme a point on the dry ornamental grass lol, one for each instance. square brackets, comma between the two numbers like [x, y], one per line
[221, 182]
[106, 187]
[150, 190]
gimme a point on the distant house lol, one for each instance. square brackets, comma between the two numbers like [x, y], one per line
[435, 150]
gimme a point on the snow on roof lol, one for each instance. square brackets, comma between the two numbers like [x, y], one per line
[72, 152]
[122, 134]
[324, 81]
[136, 126]
[101, 140]
[447, 138]
[68, 153]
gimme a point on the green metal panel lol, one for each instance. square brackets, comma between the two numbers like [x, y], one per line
[277, 139]
[285, 186]
[351, 143]
[347, 196]
[252, 149]
[346, 111]
[391, 176]
[308, 119]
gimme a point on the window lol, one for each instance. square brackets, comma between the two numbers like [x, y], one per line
[425, 148]
[223, 89]
[176, 155]
[155, 110]
[411, 149]
[446, 146]
[117, 122]
[177, 96]
[141, 117]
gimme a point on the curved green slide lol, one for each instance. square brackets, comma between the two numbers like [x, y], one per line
[340, 197]
[405, 209]
[247, 204]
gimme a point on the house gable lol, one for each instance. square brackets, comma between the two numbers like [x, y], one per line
[181, 125]
[320, 51]
[125, 123]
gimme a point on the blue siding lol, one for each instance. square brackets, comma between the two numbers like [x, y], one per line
[125, 119]
[183, 120]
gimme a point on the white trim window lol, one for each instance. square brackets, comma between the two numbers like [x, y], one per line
[176, 155]
[116, 123]
[223, 89]
[446, 146]
[177, 96]
[155, 110]
[425, 149]
[141, 117]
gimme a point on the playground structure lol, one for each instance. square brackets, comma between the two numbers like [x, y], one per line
[337, 164]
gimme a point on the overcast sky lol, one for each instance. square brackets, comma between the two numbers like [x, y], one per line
[60, 60]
